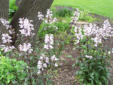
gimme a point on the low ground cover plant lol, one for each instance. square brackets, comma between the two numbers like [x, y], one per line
[12, 71]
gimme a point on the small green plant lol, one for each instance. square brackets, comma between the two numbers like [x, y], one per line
[12, 8]
[84, 16]
[12, 72]
[63, 12]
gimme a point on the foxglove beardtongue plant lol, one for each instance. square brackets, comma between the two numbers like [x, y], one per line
[6, 38]
[26, 26]
[8, 48]
[79, 34]
[26, 30]
[46, 62]
[40, 16]
[49, 41]
[91, 30]
[95, 32]
[75, 17]
[5, 23]
[48, 18]
[25, 47]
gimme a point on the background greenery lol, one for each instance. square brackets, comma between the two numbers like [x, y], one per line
[101, 7]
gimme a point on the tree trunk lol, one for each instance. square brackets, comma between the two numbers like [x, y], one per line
[29, 9]
[18, 2]
[4, 8]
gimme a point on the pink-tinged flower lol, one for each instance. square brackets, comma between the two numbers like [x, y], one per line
[53, 58]
[25, 47]
[49, 41]
[48, 18]
[5, 23]
[26, 26]
[89, 57]
[40, 16]
[8, 48]
[97, 40]
[6, 38]
[75, 17]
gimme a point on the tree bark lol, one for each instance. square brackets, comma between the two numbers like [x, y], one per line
[18, 2]
[4, 8]
[29, 9]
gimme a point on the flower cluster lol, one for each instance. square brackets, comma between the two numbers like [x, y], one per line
[79, 34]
[40, 16]
[75, 17]
[99, 33]
[48, 18]
[26, 27]
[5, 23]
[96, 33]
[26, 47]
[89, 57]
[44, 62]
[49, 41]
[6, 38]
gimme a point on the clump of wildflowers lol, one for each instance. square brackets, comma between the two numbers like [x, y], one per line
[26, 47]
[5, 23]
[46, 62]
[6, 37]
[96, 33]
[49, 41]
[75, 17]
[26, 27]
[48, 18]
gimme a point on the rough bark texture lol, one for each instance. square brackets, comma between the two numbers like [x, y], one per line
[18, 2]
[29, 9]
[4, 8]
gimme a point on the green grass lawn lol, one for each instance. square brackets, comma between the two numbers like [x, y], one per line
[101, 7]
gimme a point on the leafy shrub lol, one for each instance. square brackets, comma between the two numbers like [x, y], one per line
[52, 28]
[93, 63]
[63, 12]
[84, 16]
[12, 71]
[12, 8]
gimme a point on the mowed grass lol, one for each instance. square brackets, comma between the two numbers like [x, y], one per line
[101, 7]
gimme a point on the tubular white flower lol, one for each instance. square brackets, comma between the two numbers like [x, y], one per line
[6, 38]
[26, 26]
[89, 57]
[48, 18]
[25, 47]
[8, 48]
[40, 16]
[5, 23]
[49, 41]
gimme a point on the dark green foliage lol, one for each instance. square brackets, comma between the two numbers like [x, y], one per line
[52, 28]
[12, 72]
[92, 71]
[12, 8]
[63, 12]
